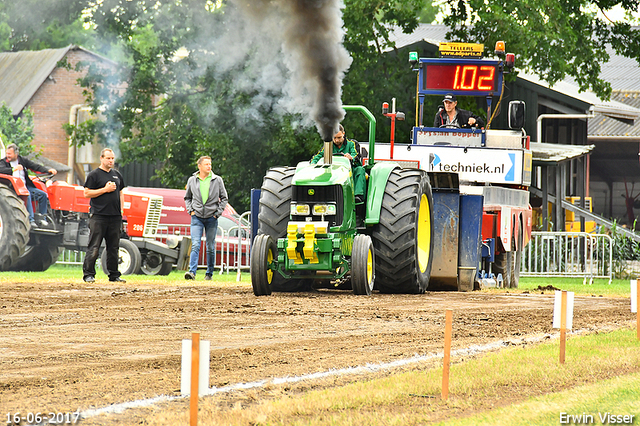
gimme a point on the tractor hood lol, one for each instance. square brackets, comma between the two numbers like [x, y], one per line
[321, 174]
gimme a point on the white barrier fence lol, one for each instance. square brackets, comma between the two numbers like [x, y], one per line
[568, 254]
[232, 246]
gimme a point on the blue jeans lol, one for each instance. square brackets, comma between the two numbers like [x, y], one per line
[210, 227]
[40, 198]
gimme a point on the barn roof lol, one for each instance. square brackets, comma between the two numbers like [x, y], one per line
[22, 73]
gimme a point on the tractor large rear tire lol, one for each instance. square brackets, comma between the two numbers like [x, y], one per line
[402, 238]
[14, 228]
[504, 265]
[275, 205]
[38, 257]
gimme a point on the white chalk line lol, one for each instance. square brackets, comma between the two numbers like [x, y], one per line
[367, 368]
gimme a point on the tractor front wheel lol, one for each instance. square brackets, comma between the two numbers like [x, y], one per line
[129, 258]
[362, 265]
[154, 263]
[273, 217]
[262, 254]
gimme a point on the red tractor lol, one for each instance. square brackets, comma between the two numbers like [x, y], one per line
[23, 248]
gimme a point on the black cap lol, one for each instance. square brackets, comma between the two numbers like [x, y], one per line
[450, 97]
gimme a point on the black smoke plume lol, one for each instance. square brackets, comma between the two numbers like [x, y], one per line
[311, 35]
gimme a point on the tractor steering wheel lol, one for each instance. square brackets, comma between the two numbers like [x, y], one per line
[45, 178]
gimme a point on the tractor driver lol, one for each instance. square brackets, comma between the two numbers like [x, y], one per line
[452, 116]
[347, 149]
[17, 165]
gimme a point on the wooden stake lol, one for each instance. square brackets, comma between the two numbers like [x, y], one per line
[563, 326]
[195, 372]
[447, 353]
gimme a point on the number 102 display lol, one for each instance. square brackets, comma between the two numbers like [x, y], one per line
[460, 77]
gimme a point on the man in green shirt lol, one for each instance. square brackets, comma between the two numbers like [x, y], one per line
[205, 200]
[348, 150]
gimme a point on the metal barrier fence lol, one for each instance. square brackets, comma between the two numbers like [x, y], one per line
[71, 257]
[232, 246]
[568, 254]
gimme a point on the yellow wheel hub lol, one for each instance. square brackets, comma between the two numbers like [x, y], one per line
[369, 267]
[424, 233]
[269, 260]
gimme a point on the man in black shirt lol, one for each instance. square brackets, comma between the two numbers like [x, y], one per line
[104, 186]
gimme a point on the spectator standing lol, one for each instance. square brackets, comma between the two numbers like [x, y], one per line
[104, 187]
[205, 199]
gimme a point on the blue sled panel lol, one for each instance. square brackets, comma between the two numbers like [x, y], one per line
[255, 209]
[446, 214]
[470, 240]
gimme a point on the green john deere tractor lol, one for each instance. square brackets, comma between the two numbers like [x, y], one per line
[313, 233]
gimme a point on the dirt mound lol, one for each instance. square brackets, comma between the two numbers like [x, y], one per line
[547, 288]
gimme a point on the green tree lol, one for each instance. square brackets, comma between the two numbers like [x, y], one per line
[379, 72]
[180, 102]
[36, 24]
[18, 131]
[553, 39]
[428, 13]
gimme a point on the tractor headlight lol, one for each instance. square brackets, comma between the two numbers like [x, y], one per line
[173, 241]
[300, 209]
[324, 209]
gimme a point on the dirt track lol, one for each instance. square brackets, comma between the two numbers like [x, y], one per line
[75, 346]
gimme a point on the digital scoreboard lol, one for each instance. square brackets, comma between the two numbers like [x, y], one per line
[472, 77]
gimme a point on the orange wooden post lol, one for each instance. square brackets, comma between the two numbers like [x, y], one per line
[447, 353]
[638, 308]
[195, 370]
[563, 326]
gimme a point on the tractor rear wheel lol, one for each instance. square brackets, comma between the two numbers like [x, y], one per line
[38, 257]
[273, 216]
[402, 238]
[262, 254]
[14, 227]
[362, 265]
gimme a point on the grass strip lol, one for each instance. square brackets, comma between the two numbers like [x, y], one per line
[519, 385]
[73, 273]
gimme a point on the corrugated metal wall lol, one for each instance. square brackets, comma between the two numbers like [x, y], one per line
[139, 174]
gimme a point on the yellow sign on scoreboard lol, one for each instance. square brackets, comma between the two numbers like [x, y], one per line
[461, 50]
